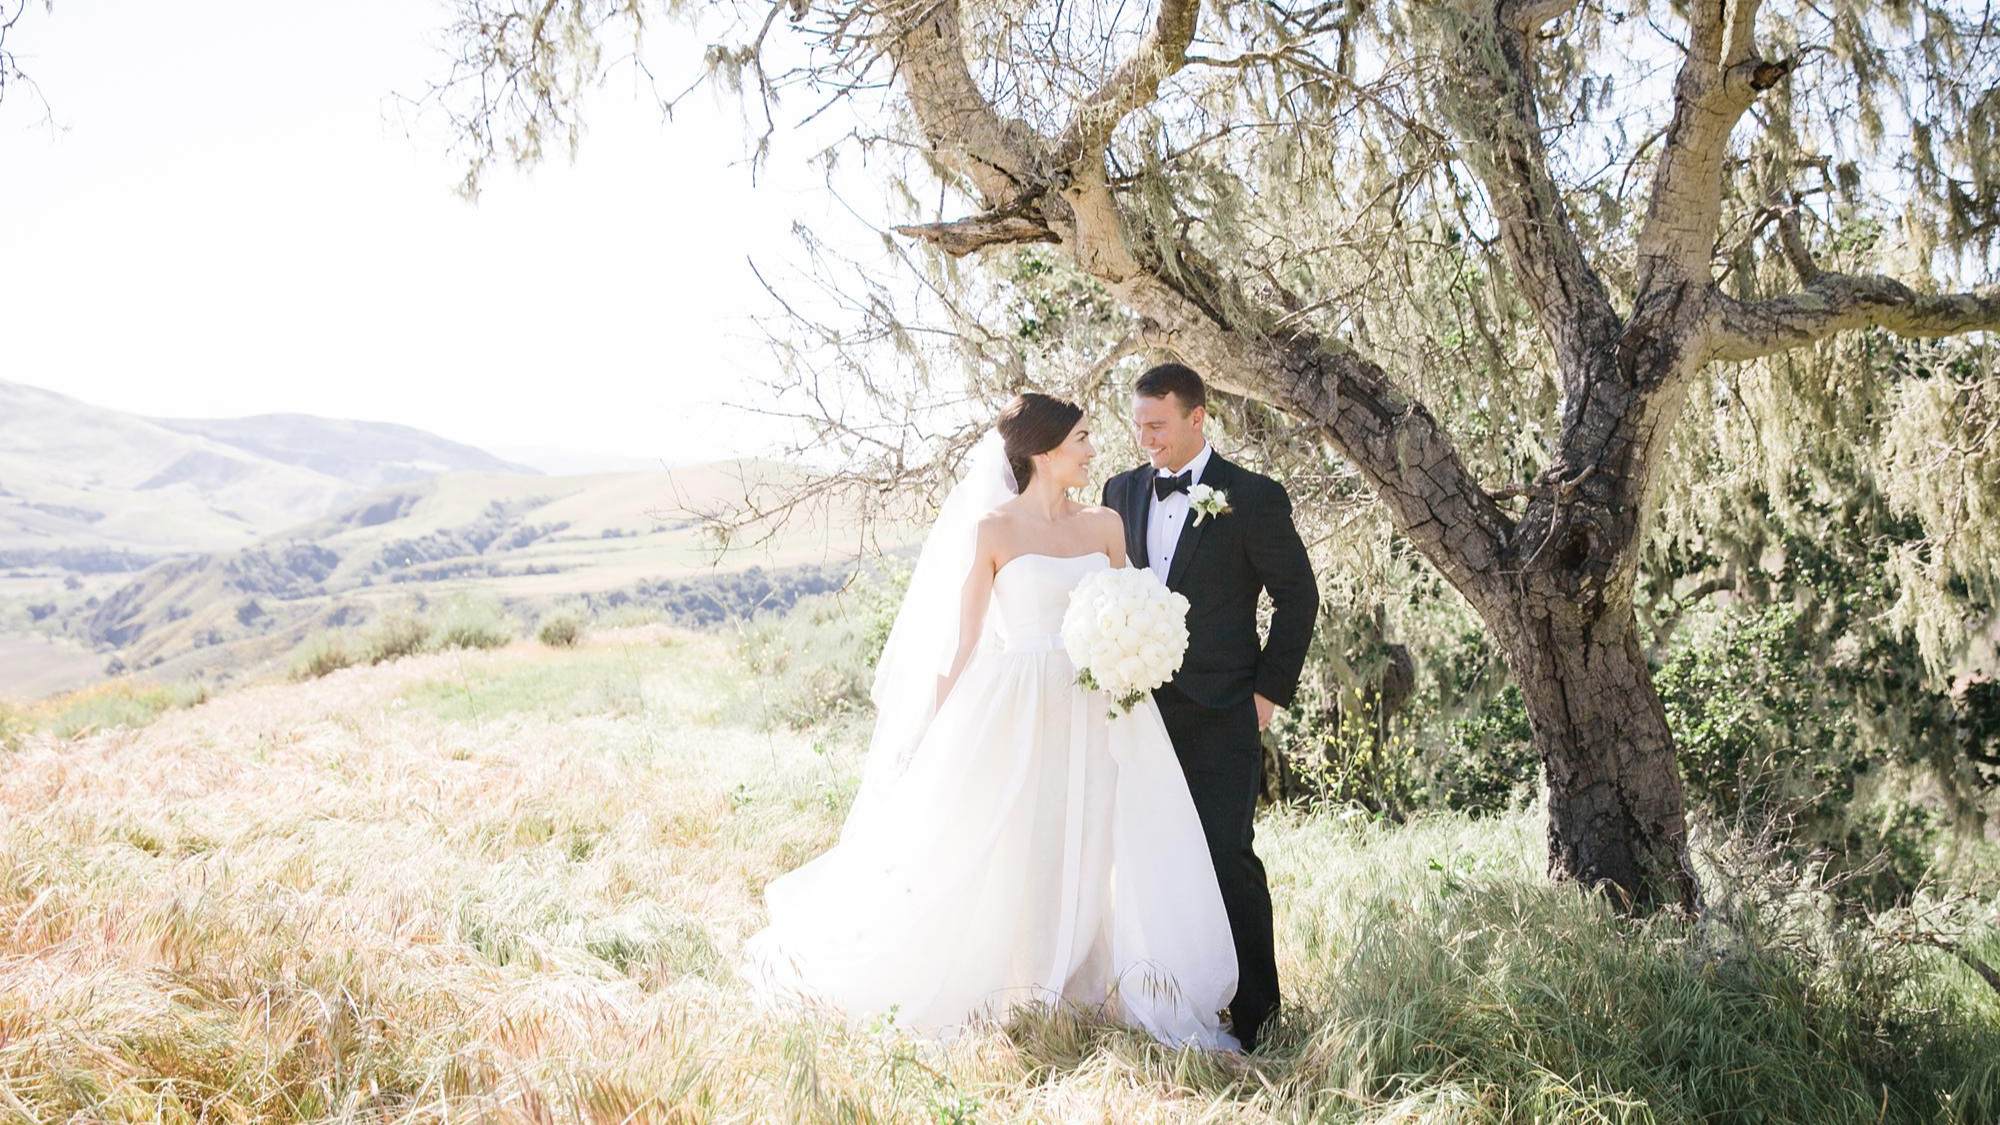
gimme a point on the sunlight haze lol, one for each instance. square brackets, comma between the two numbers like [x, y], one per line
[226, 209]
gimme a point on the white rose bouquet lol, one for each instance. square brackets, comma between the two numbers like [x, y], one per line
[1125, 633]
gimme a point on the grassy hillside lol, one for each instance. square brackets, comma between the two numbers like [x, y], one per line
[510, 885]
[86, 489]
[526, 543]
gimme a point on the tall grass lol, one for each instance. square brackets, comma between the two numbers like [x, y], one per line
[458, 623]
[360, 897]
[122, 703]
[470, 623]
[815, 664]
[323, 654]
[15, 723]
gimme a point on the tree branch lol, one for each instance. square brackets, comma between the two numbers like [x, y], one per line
[1793, 243]
[1835, 302]
[1133, 84]
[1720, 78]
[1001, 156]
[1399, 446]
[1194, 310]
[1002, 227]
[1496, 116]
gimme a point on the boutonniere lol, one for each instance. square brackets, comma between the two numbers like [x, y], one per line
[1207, 502]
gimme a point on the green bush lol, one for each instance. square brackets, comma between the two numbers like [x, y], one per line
[816, 663]
[1841, 747]
[397, 635]
[464, 623]
[1488, 761]
[561, 631]
[322, 654]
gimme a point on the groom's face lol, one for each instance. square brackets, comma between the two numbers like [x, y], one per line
[1169, 433]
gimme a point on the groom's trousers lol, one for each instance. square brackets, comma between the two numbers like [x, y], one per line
[1223, 758]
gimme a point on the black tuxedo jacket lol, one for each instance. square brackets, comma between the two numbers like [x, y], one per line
[1220, 566]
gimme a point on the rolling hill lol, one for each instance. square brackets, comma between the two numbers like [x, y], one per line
[527, 543]
[89, 489]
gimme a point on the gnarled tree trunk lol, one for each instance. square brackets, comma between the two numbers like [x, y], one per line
[1614, 788]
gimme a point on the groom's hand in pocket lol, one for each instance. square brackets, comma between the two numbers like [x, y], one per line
[1265, 709]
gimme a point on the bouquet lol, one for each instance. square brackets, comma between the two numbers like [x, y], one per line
[1125, 633]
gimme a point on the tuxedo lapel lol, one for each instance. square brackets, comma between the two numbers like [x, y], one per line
[1217, 476]
[1139, 510]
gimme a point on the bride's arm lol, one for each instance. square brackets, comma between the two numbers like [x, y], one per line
[972, 604]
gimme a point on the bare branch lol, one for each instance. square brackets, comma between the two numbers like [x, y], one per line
[1133, 84]
[1146, 337]
[1497, 117]
[1526, 17]
[1793, 243]
[1835, 302]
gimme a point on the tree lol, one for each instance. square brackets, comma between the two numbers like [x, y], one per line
[1567, 214]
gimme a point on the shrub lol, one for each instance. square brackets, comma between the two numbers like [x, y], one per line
[1489, 761]
[473, 624]
[562, 631]
[817, 662]
[322, 654]
[397, 635]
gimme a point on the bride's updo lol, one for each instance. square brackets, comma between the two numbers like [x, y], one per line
[1034, 423]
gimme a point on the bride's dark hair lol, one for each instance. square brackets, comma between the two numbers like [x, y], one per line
[1034, 423]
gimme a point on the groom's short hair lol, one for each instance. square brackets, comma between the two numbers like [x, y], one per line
[1173, 379]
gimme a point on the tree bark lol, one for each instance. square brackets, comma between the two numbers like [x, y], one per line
[1616, 814]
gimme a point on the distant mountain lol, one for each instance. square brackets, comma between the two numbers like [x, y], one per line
[370, 454]
[607, 539]
[87, 489]
[80, 483]
[572, 462]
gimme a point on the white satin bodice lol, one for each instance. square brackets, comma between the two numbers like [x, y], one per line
[1030, 595]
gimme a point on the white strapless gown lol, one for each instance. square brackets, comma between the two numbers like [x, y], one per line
[1034, 851]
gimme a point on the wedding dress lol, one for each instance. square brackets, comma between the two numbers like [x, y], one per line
[1031, 850]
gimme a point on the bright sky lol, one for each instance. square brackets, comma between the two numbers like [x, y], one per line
[233, 215]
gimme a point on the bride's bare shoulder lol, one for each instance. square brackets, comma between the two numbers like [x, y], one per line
[1098, 513]
[997, 526]
[999, 516]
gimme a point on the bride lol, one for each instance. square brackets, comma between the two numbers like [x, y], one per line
[1010, 844]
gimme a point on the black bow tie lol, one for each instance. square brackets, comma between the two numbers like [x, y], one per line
[1164, 487]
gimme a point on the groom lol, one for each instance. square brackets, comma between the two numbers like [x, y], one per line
[1219, 548]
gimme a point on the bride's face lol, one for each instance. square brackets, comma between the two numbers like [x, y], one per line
[1068, 464]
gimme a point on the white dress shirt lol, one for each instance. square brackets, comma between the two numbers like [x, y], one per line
[1163, 525]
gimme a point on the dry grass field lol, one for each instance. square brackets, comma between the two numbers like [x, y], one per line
[509, 885]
